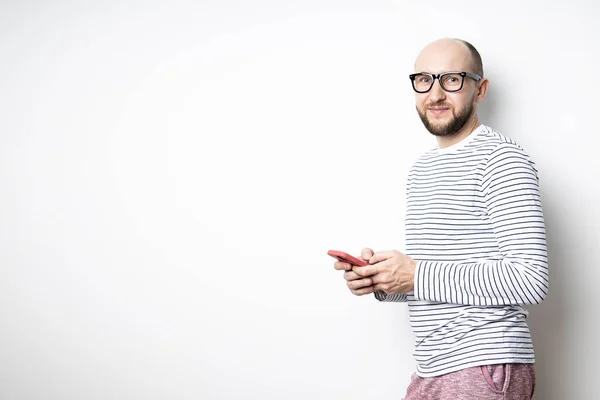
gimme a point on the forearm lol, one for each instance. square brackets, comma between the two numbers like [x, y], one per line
[504, 282]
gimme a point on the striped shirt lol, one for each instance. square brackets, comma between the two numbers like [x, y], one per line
[474, 223]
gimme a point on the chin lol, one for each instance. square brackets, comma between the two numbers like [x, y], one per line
[438, 129]
[441, 133]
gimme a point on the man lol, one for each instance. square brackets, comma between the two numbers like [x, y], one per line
[475, 243]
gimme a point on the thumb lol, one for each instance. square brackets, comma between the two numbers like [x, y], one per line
[382, 256]
[366, 254]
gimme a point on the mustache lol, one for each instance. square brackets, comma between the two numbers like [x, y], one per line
[439, 104]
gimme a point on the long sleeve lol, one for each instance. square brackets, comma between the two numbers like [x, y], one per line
[519, 275]
[396, 298]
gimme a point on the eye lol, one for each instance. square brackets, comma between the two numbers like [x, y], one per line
[452, 80]
[423, 79]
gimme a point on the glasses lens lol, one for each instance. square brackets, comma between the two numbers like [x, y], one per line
[451, 82]
[422, 83]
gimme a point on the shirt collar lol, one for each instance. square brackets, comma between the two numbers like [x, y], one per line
[462, 143]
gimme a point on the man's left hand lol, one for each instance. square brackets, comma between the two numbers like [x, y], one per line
[391, 272]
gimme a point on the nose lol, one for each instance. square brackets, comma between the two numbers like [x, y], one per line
[436, 93]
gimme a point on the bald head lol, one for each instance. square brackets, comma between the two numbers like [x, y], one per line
[449, 111]
[449, 55]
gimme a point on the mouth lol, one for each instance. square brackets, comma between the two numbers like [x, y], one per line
[438, 110]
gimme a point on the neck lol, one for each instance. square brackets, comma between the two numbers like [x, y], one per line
[447, 141]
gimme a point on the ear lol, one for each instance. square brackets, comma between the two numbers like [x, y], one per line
[481, 92]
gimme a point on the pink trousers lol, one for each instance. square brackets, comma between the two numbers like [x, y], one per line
[492, 382]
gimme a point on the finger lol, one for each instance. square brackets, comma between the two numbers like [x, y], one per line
[382, 277]
[382, 256]
[342, 266]
[351, 276]
[379, 287]
[377, 278]
[366, 271]
[359, 284]
[362, 292]
[366, 254]
[382, 287]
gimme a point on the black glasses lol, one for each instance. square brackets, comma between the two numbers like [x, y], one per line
[449, 81]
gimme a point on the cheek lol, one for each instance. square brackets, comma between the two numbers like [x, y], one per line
[420, 100]
[456, 102]
[461, 101]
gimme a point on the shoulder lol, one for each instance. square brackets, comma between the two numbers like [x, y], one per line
[505, 164]
[500, 149]
[490, 140]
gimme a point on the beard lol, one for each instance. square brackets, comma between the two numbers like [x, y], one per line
[453, 126]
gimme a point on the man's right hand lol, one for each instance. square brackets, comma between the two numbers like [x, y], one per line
[358, 285]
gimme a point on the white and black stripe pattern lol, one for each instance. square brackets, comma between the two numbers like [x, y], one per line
[474, 222]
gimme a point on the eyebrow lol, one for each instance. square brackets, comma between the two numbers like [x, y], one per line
[431, 73]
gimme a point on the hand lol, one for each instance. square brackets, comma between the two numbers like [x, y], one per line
[390, 271]
[358, 285]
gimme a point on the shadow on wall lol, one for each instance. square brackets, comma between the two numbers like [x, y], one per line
[547, 321]
[487, 109]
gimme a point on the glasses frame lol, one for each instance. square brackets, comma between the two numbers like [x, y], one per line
[439, 77]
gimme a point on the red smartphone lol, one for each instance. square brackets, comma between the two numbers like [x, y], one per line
[345, 257]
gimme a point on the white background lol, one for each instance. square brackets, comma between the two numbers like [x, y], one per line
[173, 173]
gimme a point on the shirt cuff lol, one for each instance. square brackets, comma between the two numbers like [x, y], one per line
[381, 296]
[421, 289]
